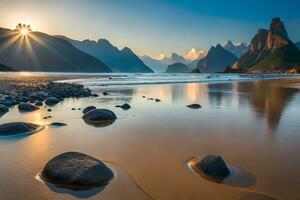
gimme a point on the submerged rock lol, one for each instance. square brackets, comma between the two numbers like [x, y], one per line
[58, 124]
[125, 106]
[105, 93]
[212, 166]
[19, 128]
[99, 117]
[76, 171]
[27, 107]
[87, 109]
[51, 101]
[194, 106]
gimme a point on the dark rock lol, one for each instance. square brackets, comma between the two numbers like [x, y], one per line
[49, 110]
[27, 107]
[51, 101]
[18, 128]
[3, 109]
[213, 166]
[105, 93]
[99, 117]
[157, 100]
[58, 124]
[38, 103]
[125, 106]
[76, 171]
[73, 108]
[89, 108]
[95, 95]
[194, 106]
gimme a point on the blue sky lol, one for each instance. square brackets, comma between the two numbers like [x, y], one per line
[153, 27]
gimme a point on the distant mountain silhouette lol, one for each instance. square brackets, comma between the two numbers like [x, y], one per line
[175, 58]
[178, 68]
[216, 60]
[271, 51]
[237, 50]
[4, 68]
[154, 64]
[41, 52]
[120, 61]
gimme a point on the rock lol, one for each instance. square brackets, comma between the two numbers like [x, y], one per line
[51, 101]
[125, 106]
[73, 108]
[105, 93]
[157, 100]
[3, 109]
[95, 95]
[18, 128]
[49, 110]
[27, 107]
[76, 171]
[89, 108]
[194, 106]
[38, 103]
[58, 124]
[212, 166]
[99, 117]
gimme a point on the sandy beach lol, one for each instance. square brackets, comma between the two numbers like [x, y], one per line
[253, 125]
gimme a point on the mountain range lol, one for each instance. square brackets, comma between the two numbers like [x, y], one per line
[238, 50]
[270, 51]
[119, 60]
[41, 52]
[217, 59]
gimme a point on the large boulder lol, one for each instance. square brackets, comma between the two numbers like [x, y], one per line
[51, 101]
[99, 117]
[212, 166]
[89, 108]
[27, 107]
[76, 171]
[19, 128]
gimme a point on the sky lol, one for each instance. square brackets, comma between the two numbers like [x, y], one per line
[153, 27]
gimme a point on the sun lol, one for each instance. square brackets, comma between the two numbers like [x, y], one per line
[24, 31]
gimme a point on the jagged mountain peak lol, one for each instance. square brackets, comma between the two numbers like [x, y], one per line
[277, 27]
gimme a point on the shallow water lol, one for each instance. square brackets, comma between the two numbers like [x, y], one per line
[253, 125]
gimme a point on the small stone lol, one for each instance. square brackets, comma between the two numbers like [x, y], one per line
[125, 106]
[99, 117]
[213, 166]
[105, 93]
[194, 106]
[157, 100]
[58, 124]
[89, 108]
[27, 107]
[51, 101]
[49, 110]
[38, 103]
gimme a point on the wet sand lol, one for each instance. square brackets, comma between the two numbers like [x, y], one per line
[253, 125]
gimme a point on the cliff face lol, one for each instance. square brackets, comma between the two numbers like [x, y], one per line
[270, 51]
